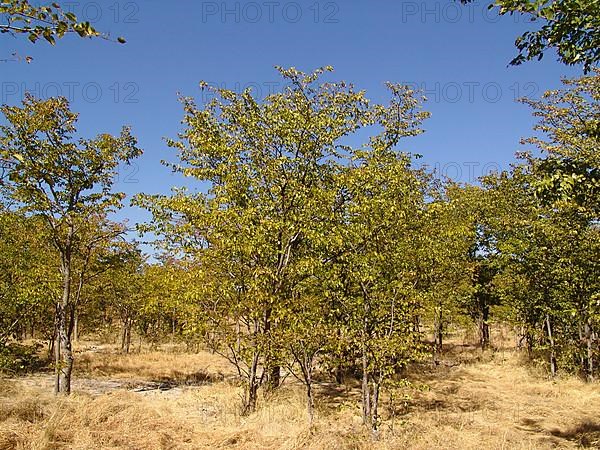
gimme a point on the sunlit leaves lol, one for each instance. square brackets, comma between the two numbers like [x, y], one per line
[48, 22]
[571, 27]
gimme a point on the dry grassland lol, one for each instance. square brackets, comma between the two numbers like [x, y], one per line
[174, 400]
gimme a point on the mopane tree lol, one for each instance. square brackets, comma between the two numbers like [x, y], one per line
[65, 181]
[118, 278]
[567, 183]
[271, 168]
[102, 247]
[546, 228]
[477, 207]
[266, 164]
[27, 280]
[547, 276]
[380, 304]
[445, 271]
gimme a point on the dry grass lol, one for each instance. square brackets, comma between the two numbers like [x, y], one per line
[164, 364]
[488, 401]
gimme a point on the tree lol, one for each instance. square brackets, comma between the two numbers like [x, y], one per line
[48, 22]
[545, 229]
[569, 121]
[547, 276]
[258, 236]
[121, 283]
[27, 280]
[383, 216]
[445, 271]
[101, 252]
[65, 182]
[567, 183]
[571, 27]
[477, 208]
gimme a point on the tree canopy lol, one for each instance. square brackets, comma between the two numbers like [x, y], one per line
[571, 27]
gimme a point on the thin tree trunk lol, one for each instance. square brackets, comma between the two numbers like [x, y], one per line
[52, 342]
[172, 329]
[590, 350]
[63, 352]
[273, 371]
[580, 355]
[252, 392]
[484, 327]
[310, 401]
[438, 331]
[375, 407]
[56, 350]
[76, 327]
[126, 335]
[366, 400]
[553, 368]
[339, 374]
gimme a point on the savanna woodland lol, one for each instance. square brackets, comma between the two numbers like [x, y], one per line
[311, 285]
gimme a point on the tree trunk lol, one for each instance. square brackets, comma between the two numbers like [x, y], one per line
[339, 374]
[63, 353]
[553, 368]
[375, 407]
[76, 327]
[484, 327]
[252, 392]
[589, 339]
[173, 322]
[580, 354]
[274, 378]
[126, 335]
[438, 332]
[310, 401]
[273, 370]
[366, 398]
[52, 341]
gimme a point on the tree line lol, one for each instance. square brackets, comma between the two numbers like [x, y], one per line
[316, 244]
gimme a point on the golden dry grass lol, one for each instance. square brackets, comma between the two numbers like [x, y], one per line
[489, 401]
[168, 363]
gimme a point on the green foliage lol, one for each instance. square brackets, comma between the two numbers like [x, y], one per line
[49, 22]
[571, 27]
[16, 359]
[68, 184]
[28, 281]
[286, 198]
[547, 232]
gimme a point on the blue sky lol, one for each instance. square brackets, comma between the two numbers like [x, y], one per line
[457, 54]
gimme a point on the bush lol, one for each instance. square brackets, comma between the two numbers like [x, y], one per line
[18, 358]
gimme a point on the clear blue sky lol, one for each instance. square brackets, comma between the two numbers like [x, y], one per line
[457, 54]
